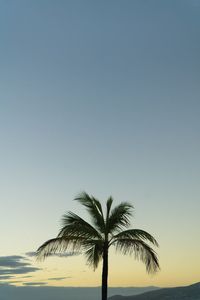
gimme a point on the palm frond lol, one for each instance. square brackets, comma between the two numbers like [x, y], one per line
[108, 205]
[73, 225]
[94, 208]
[119, 217]
[135, 234]
[59, 245]
[93, 252]
[141, 251]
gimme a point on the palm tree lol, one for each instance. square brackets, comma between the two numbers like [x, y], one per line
[109, 229]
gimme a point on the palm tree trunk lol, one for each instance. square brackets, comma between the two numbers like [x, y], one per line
[104, 289]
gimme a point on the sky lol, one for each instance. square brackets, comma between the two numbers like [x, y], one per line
[102, 97]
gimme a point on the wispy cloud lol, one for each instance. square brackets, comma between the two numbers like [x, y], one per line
[13, 261]
[22, 265]
[5, 277]
[59, 278]
[22, 270]
[30, 254]
[15, 264]
[34, 283]
[5, 283]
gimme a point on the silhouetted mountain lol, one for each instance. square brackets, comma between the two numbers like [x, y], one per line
[8, 292]
[191, 292]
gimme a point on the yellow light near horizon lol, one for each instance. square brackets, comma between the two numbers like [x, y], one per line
[123, 271]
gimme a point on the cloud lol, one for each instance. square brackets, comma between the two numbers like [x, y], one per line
[5, 283]
[15, 264]
[59, 278]
[30, 254]
[68, 254]
[13, 261]
[5, 277]
[34, 283]
[22, 270]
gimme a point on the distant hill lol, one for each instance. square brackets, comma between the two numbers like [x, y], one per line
[9, 292]
[191, 292]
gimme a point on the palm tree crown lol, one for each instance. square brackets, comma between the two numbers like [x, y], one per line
[105, 230]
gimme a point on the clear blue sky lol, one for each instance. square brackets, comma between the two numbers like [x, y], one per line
[101, 96]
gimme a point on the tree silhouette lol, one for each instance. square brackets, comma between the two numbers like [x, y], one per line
[105, 230]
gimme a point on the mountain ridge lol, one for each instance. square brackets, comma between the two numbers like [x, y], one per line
[190, 292]
[33, 292]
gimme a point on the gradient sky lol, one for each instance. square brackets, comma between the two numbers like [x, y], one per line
[101, 96]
